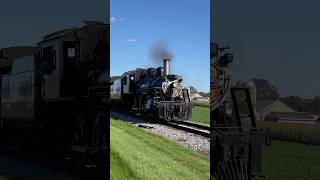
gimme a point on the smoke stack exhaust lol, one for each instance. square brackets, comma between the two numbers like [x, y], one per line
[166, 66]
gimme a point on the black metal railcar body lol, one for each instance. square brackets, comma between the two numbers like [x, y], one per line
[58, 93]
[152, 91]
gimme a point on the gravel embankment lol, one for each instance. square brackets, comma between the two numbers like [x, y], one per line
[193, 141]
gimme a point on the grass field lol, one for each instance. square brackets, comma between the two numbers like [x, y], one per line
[136, 154]
[201, 115]
[3, 178]
[289, 160]
[201, 103]
[303, 133]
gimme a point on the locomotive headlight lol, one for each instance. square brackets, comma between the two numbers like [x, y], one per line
[175, 84]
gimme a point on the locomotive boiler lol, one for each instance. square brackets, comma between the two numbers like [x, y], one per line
[56, 94]
[236, 142]
[152, 92]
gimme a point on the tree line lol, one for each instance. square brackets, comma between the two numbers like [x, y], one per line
[266, 90]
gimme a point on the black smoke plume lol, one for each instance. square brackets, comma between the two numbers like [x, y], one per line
[160, 51]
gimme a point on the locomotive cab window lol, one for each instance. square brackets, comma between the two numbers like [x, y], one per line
[70, 56]
[71, 52]
[125, 80]
[131, 88]
[49, 57]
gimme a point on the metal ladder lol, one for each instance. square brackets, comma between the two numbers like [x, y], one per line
[247, 101]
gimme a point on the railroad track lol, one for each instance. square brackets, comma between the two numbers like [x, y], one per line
[190, 127]
[187, 126]
[188, 123]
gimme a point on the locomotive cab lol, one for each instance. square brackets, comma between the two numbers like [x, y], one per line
[128, 83]
[55, 95]
[72, 60]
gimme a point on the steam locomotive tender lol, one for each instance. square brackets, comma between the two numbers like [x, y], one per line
[56, 94]
[152, 92]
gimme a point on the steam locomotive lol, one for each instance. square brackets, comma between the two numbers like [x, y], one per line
[236, 142]
[55, 96]
[152, 92]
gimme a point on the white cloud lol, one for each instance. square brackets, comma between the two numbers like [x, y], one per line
[131, 40]
[114, 19]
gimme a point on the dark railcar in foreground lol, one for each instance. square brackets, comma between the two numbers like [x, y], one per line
[236, 142]
[56, 93]
[152, 92]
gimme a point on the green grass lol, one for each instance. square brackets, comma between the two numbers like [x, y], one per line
[302, 133]
[3, 178]
[201, 115]
[289, 160]
[137, 154]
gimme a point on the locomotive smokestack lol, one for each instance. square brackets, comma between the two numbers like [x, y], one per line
[166, 66]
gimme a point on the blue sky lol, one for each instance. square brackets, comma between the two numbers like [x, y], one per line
[26, 22]
[184, 26]
[274, 40]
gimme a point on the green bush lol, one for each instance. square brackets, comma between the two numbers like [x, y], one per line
[201, 103]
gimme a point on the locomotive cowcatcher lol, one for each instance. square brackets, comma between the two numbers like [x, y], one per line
[152, 92]
[55, 95]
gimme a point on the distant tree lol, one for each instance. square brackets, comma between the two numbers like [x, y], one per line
[193, 89]
[204, 94]
[297, 103]
[315, 105]
[265, 89]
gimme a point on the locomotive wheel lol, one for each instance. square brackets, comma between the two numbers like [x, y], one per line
[78, 139]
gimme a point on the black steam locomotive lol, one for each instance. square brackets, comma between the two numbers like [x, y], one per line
[236, 141]
[153, 92]
[55, 96]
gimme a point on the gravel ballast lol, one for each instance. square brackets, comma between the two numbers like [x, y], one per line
[193, 141]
